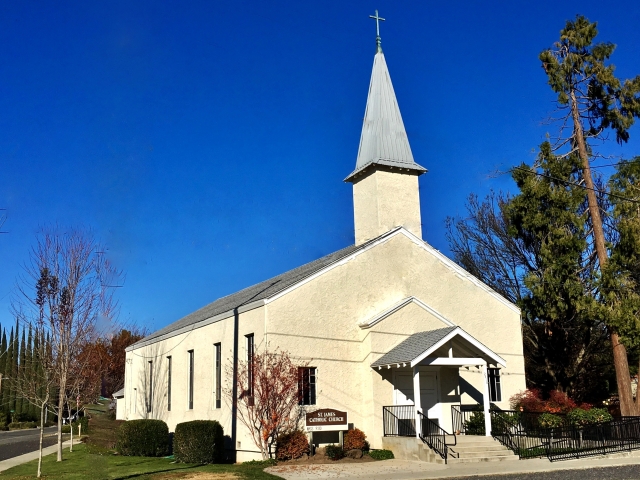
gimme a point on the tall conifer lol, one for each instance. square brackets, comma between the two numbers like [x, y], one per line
[3, 363]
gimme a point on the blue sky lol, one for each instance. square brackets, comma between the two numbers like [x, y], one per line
[206, 142]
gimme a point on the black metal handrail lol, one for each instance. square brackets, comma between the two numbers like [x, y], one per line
[399, 421]
[528, 439]
[435, 436]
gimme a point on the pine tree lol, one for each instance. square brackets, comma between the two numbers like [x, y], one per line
[10, 394]
[593, 100]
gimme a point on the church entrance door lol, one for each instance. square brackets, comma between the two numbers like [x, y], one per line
[403, 392]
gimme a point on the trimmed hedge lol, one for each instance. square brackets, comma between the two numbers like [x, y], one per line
[143, 438]
[199, 441]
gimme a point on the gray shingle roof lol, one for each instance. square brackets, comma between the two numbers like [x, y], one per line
[412, 347]
[119, 394]
[260, 291]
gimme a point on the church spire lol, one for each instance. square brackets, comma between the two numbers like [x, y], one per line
[383, 140]
[385, 180]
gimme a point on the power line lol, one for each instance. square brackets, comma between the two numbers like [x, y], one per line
[566, 182]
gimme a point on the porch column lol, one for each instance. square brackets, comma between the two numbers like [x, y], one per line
[485, 401]
[416, 399]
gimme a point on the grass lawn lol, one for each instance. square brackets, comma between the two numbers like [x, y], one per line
[82, 465]
[95, 460]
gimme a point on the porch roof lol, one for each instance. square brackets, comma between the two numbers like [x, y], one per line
[417, 347]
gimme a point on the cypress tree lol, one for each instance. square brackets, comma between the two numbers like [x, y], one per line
[22, 406]
[3, 363]
[8, 373]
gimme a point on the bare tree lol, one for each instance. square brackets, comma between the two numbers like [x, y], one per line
[66, 290]
[35, 382]
[268, 396]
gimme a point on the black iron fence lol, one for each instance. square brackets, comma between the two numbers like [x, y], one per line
[399, 421]
[435, 437]
[523, 434]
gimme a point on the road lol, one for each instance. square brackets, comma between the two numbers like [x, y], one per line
[18, 442]
[625, 472]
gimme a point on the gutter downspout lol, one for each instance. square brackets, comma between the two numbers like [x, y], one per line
[234, 403]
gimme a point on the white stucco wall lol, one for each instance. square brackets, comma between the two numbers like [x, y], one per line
[384, 200]
[319, 322]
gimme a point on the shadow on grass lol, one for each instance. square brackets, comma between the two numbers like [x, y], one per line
[166, 470]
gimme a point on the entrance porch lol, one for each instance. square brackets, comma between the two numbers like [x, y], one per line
[426, 382]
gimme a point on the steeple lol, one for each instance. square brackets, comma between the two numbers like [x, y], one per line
[385, 180]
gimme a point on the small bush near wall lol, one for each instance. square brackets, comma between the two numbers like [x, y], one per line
[199, 441]
[355, 439]
[292, 445]
[143, 438]
[381, 454]
[334, 452]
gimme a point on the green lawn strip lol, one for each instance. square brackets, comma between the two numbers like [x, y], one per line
[81, 465]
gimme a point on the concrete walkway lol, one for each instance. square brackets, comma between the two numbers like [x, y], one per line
[404, 469]
[27, 457]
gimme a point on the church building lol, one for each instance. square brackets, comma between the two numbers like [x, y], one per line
[389, 327]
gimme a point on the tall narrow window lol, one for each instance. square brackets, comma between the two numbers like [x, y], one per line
[250, 352]
[307, 386]
[190, 379]
[135, 400]
[150, 388]
[169, 384]
[495, 392]
[218, 360]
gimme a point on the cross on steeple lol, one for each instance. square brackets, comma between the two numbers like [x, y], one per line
[377, 18]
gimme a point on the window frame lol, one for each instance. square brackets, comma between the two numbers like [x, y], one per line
[307, 376]
[250, 347]
[190, 396]
[149, 398]
[217, 359]
[495, 384]
[169, 365]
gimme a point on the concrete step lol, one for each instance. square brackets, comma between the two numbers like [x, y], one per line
[488, 448]
[508, 453]
[479, 453]
[453, 461]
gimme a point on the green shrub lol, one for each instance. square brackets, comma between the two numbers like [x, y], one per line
[84, 421]
[381, 454]
[475, 424]
[66, 429]
[599, 415]
[354, 439]
[549, 420]
[199, 441]
[292, 445]
[143, 438]
[334, 452]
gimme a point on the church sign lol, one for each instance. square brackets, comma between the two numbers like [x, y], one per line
[326, 419]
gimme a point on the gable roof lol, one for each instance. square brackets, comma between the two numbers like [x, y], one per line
[383, 140]
[417, 347]
[255, 293]
[402, 303]
[259, 294]
[413, 346]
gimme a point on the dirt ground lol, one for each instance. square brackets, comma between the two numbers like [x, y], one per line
[319, 459]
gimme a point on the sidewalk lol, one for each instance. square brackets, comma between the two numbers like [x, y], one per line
[403, 469]
[27, 457]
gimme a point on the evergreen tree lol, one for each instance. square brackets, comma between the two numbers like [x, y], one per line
[3, 362]
[22, 407]
[593, 100]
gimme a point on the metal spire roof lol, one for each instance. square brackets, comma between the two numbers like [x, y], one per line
[383, 140]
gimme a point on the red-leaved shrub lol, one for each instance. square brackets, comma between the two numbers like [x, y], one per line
[354, 439]
[531, 401]
[292, 445]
